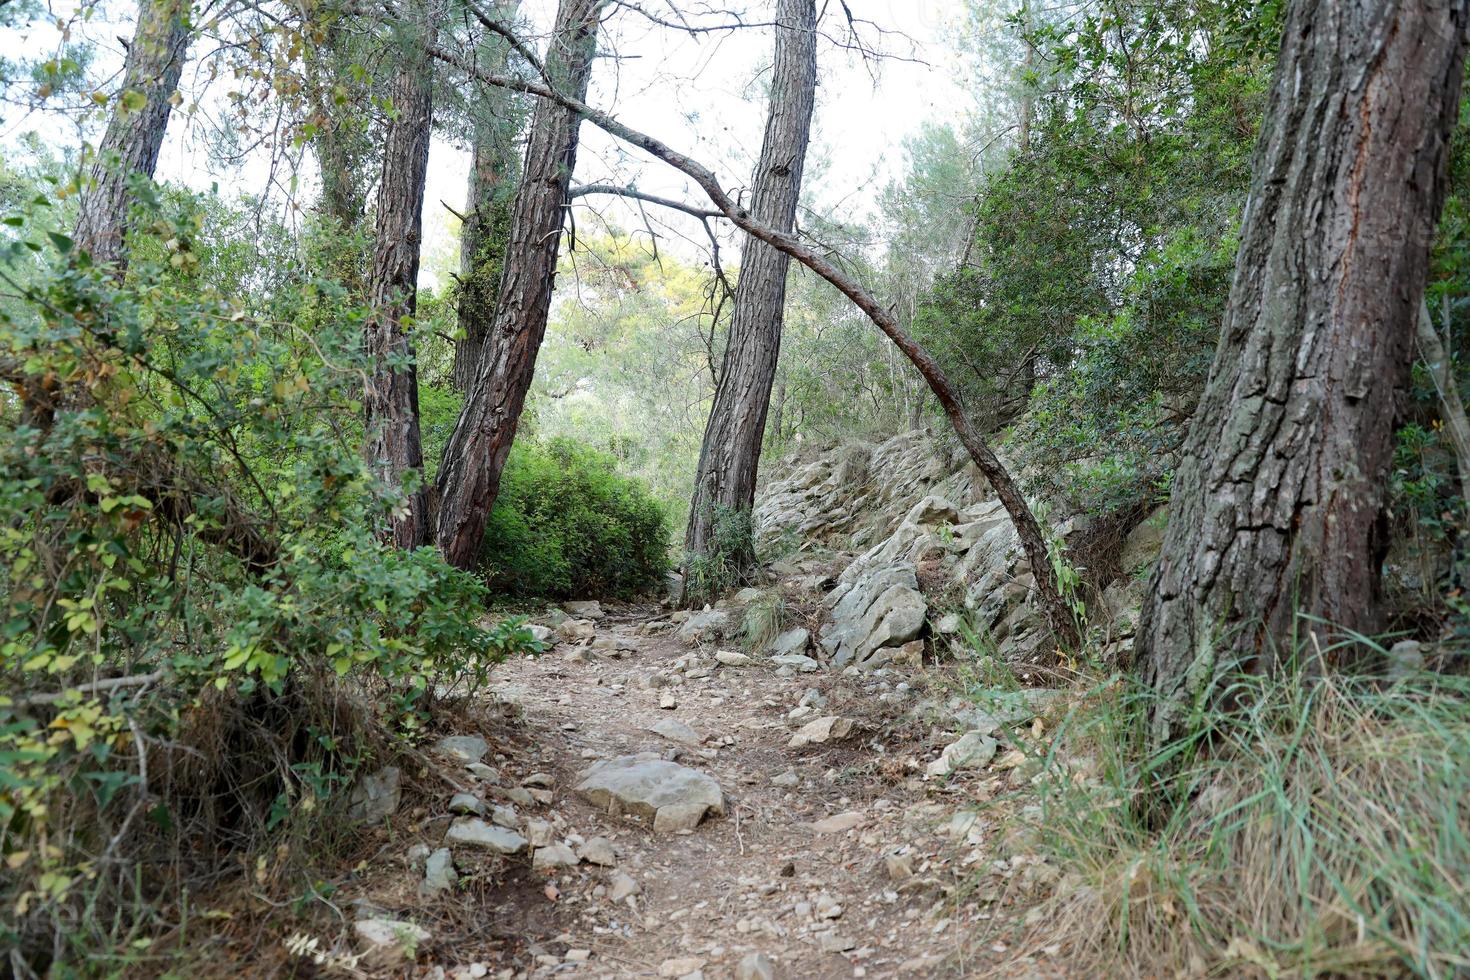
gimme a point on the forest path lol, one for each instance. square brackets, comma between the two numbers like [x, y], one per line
[832, 859]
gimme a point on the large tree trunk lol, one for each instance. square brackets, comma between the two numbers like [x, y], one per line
[1278, 508]
[730, 455]
[135, 133]
[391, 401]
[494, 170]
[469, 474]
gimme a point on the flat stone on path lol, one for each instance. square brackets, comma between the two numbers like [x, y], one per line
[584, 609]
[463, 748]
[676, 731]
[839, 823]
[822, 730]
[474, 832]
[644, 785]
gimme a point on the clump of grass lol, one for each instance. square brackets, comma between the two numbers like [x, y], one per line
[1319, 827]
[763, 621]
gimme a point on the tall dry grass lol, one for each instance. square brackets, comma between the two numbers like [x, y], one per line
[1321, 827]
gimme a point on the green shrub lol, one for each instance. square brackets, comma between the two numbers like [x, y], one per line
[709, 576]
[567, 525]
[201, 637]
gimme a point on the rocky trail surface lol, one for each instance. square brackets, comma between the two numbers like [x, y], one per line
[637, 805]
[834, 775]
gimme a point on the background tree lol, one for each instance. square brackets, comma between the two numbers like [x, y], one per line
[1278, 508]
[494, 175]
[469, 473]
[140, 112]
[391, 402]
[729, 459]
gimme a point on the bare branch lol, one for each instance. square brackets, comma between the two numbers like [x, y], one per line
[637, 195]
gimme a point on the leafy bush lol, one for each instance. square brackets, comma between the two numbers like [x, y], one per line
[567, 525]
[201, 637]
[709, 576]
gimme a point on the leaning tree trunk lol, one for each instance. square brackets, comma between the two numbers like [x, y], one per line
[134, 135]
[469, 474]
[729, 458]
[494, 169]
[1278, 508]
[391, 401]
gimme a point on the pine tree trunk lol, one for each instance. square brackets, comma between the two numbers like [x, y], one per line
[1278, 507]
[494, 170]
[342, 144]
[469, 474]
[135, 133]
[730, 455]
[391, 401]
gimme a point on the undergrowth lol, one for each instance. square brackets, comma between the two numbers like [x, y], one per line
[1317, 828]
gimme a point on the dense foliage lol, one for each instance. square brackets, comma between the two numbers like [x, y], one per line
[189, 532]
[567, 525]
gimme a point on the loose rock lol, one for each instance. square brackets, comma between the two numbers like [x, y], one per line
[642, 786]
[474, 832]
[676, 731]
[462, 748]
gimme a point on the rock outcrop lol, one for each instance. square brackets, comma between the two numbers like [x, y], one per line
[925, 524]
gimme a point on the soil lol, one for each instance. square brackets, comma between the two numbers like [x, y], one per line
[897, 892]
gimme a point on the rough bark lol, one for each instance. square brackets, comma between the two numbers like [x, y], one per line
[469, 474]
[494, 170]
[729, 456]
[1278, 507]
[1033, 541]
[151, 73]
[391, 400]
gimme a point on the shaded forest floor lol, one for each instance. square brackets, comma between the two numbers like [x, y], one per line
[833, 859]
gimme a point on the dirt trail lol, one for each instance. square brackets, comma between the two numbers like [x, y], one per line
[833, 860]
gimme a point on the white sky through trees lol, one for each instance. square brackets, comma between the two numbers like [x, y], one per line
[704, 95]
